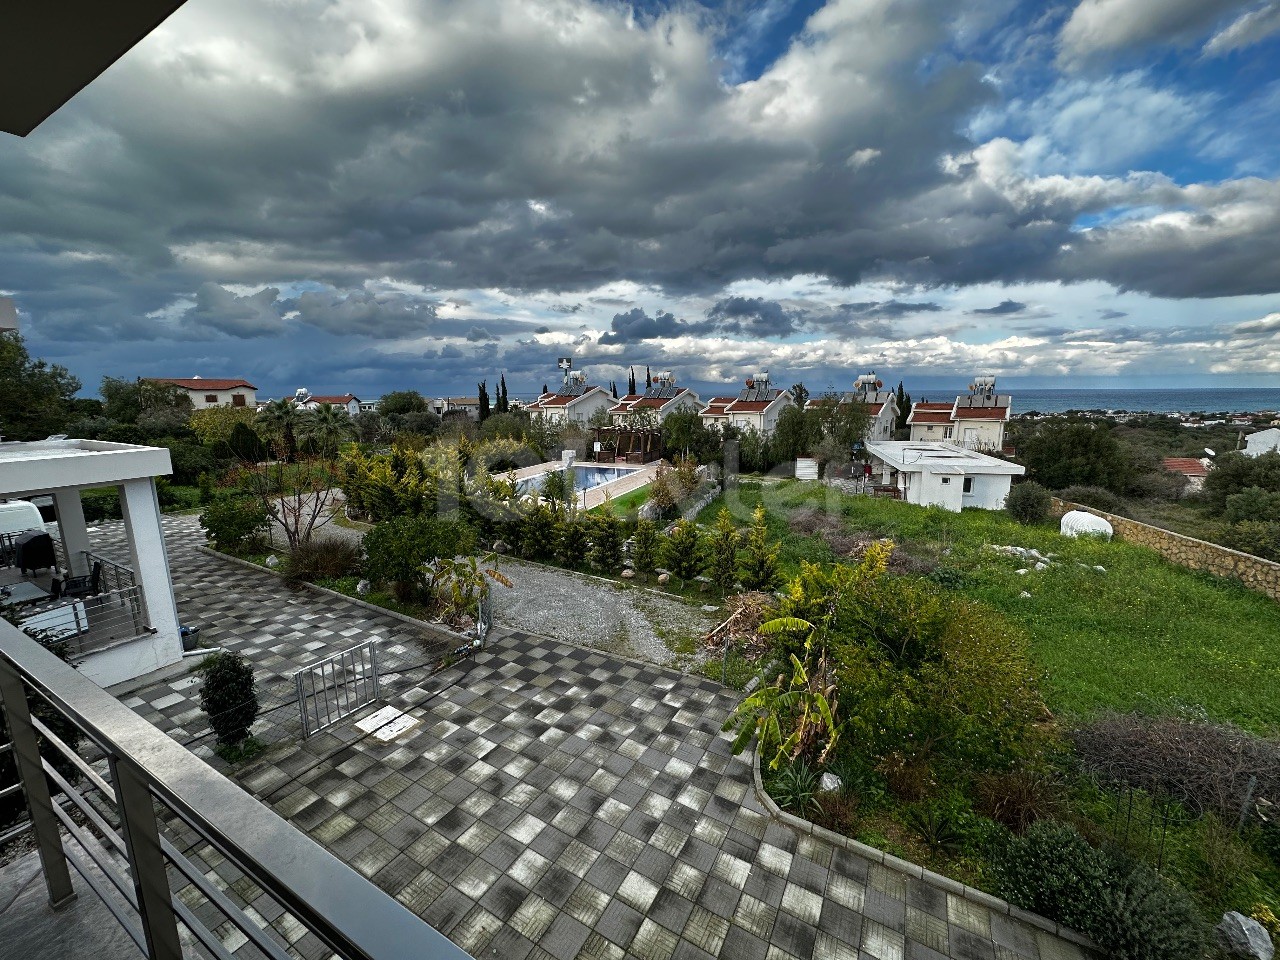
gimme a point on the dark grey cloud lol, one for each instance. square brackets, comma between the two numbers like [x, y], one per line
[887, 309]
[480, 335]
[636, 325]
[753, 316]
[1001, 309]
[1112, 314]
[363, 312]
[248, 317]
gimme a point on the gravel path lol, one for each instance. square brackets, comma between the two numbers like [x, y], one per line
[626, 620]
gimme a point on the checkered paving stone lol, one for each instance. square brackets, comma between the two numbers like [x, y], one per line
[558, 802]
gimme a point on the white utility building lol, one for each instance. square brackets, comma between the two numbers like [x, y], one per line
[943, 475]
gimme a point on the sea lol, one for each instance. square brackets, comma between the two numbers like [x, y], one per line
[1205, 400]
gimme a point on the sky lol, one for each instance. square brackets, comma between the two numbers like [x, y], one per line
[368, 195]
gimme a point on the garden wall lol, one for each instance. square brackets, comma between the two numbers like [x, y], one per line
[1253, 572]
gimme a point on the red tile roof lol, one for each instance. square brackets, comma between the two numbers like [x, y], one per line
[344, 399]
[1187, 466]
[749, 406]
[929, 416]
[982, 413]
[931, 405]
[200, 383]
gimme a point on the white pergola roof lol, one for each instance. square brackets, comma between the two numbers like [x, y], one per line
[908, 456]
[43, 465]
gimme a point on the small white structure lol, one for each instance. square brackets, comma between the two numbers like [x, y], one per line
[127, 624]
[1079, 523]
[1264, 441]
[943, 474]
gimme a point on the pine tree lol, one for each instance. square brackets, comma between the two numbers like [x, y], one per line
[904, 407]
[544, 389]
[606, 543]
[680, 552]
[613, 388]
[758, 569]
[648, 378]
[645, 546]
[631, 383]
[722, 552]
[503, 406]
[482, 389]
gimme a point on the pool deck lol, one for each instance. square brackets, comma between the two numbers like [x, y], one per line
[636, 477]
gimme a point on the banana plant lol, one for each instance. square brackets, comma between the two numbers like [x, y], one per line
[799, 714]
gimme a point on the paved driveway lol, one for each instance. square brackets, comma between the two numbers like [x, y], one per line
[556, 801]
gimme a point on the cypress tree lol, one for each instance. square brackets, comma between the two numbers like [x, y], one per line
[482, 391]
[631, 383]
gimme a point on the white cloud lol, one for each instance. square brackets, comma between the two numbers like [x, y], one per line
[1102, 27]
[1248, 29]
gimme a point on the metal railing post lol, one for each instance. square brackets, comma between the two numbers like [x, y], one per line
[26, 754]
[146, 862]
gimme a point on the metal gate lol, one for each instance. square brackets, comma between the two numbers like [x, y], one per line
[337, 687]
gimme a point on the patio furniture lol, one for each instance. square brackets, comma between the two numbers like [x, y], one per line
[87, 586]
[34, 551]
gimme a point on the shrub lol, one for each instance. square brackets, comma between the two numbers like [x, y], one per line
[606, 543]
[1258, 537]
[722, 552]
[233, 522]
[1018, 798]
[680, 551]
[662, 492]
[322, 558]
[1052, 870]
[1028, 503]
[229, 696]
[1252, 504]
[1100, 498]
[397, 550]
[571, 542]
[99, 505]
[796, 788]
[759, 559]
[537, 531]
[1145, 917]
[644, 546]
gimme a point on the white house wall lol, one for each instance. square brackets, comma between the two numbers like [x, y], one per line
[988, 491]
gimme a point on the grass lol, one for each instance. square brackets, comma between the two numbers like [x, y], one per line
[626, 505]
[1144, 634]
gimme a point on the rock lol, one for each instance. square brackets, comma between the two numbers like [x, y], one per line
[501, 546]
[628, 573]
[710, 607]
[1101, 569]
[664, 578]
[1243, 936]
[1042, 565]
[830, 782]
[1025, 595]
[363, 588]
[273, 561]
[1021, 571]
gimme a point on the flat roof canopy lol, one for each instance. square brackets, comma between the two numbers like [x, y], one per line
[921, 456]
[51, 49]
[45, 465]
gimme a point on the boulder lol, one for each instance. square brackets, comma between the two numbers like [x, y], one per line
[830, 782]
[664, 578]
[273, 561]
[1243, 936]
[501, 546]
[628, 573]
[364, 587]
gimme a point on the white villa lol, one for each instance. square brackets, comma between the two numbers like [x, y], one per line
[882, 405]
[662, 399]
[575, 401]
[1264, 441]
[942, 474]
[118, 622]
[214, 392]
[303, 399]
[470, 406]
[976, 421]
[756, 407]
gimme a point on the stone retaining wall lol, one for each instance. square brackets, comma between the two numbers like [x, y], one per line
[1254, 572]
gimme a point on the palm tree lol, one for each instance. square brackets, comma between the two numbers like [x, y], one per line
[279, 420]
[324, 429]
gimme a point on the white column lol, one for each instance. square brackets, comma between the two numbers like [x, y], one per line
[150, 564]
[71, 528]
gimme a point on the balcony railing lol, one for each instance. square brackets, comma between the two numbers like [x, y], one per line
[156, 820]
[85, 624]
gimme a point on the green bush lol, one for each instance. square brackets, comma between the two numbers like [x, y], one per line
[323, 558]
[1100, 498]
[606, 542]
[175, 497]
[1028, 503]
[229, 696]
[722, 552]
[758, 568]
[396, 550]
[99, 505]
[680, 553]
[572, 542]
[795, 788]
[537, 533]
[1123, 905]
[233, 522]
[644, 547]
[1252, 504]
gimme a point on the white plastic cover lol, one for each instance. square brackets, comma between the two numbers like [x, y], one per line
[17, 516]
[1077, 523]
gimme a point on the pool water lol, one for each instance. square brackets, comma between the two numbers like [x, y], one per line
[585, 477]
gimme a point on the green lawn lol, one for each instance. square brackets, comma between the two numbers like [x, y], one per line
[1144, 634]
[626, 505]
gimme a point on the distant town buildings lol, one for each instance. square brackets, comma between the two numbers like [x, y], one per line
[661, 400]
[975, 421]
[756, 407]
[468, 407]
[214, 392]
[305, 400]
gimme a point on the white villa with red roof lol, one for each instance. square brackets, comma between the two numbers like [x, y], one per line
[305, 400]
[662, 399]
[213, 391]
[756, 407]
[575, 401]
[976, 421]
[882, 405]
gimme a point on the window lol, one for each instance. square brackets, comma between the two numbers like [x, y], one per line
[968, 484]
[946, 480]
[237, 399]
[210, 398]
[946, 433]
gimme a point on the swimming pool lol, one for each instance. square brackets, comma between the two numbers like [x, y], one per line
[586, 476]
